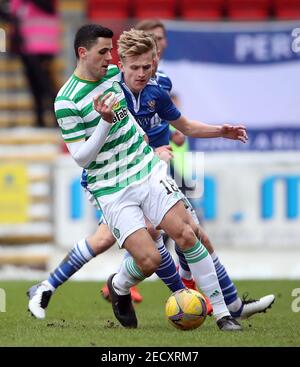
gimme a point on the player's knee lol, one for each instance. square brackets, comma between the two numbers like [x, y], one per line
[185, 237]
[100, 244]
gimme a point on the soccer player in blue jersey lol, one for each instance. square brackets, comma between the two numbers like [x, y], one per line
[150, 105]
[159, 126]
[98, 243]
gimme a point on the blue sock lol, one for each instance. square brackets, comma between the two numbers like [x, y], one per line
[80, 254]
[182, 260]
[228, 288]
[167, 270]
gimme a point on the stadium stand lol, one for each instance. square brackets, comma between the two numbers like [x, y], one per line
[34, 151]
[72, 7]
[205, 10]
[16, 104]
[286, 9]
[248, 9]
[108, 9]
[164, 9]
[201, 9]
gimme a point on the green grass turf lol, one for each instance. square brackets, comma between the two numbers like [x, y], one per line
[78, 316]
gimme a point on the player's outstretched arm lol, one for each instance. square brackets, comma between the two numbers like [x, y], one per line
[197, 129]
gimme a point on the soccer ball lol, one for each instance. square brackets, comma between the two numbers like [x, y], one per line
[186, 309]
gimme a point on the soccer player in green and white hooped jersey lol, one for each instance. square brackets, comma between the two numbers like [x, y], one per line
[75, 109]
[76, 115]
[137, 186]
[124, 157]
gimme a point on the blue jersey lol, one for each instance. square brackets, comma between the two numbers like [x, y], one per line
[163, 81]
[152, 108]
[160, 134]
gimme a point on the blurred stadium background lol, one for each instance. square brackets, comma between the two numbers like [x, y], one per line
[235, 61]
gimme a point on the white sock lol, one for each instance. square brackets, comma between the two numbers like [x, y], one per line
[204, 273]
[128, 276]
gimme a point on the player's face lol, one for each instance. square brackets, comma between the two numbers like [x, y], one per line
[97, 58]
[137, 70]
[161, 39]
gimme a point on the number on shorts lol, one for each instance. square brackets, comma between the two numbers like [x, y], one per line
[169, 185]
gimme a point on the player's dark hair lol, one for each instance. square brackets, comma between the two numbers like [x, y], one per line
[88, 34]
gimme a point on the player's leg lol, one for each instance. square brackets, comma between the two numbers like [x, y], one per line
[125, 218]
[83, 251]
[144, 260]
[134, 291]
[166, 271]
[81, 254]
[176, 223]
[165, 209]
[239, 308]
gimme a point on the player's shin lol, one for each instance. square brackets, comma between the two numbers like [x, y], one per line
[202, 267]
[183, 269]
[167, 270]
[80, 254]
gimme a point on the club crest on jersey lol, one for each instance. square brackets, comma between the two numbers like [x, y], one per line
[116, 88]
[151, 105]
[116, 232]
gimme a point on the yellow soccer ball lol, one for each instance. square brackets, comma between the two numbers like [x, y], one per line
[186, 309]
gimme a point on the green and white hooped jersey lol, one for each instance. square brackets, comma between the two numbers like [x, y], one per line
[124, 158]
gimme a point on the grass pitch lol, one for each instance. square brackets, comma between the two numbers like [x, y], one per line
[78, 316]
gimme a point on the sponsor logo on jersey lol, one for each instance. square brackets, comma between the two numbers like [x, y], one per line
[120, 115]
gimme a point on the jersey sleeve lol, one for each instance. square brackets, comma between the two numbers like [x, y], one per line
[69, 120]
[166, 108]
[164, 81]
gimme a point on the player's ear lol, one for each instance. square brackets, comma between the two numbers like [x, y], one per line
[82, 51]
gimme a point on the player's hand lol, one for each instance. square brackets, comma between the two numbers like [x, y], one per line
[234, 132]
[165, 153]
[103, 104]
[178, 138]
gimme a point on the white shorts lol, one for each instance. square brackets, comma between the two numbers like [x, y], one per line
[124, 211]
[186, 202]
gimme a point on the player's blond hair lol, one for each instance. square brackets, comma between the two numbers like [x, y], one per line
[136, 42]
